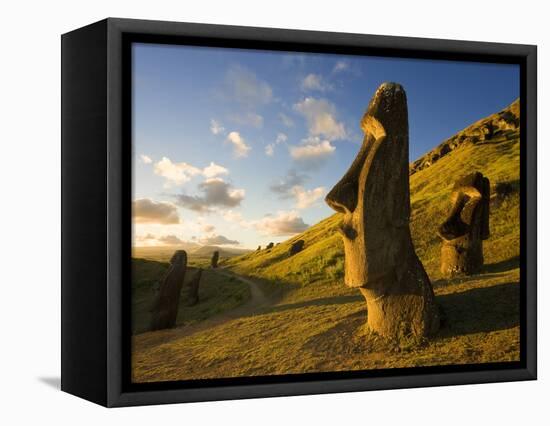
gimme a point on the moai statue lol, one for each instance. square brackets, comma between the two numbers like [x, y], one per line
[194, 288]
[259, 248]
[165, 310]
[215, 258]
[296, 247]
[466, 227]
[373, 197]
[269, 246]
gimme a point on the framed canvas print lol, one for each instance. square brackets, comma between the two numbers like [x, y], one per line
[252, 212]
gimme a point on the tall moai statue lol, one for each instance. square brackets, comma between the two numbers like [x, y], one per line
[373, 197]
[193, 297]
[466, 226]
[215, 258]
[165, 310]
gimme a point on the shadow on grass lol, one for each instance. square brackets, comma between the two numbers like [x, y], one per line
[502, 266]
[481, 310]
[336, 300]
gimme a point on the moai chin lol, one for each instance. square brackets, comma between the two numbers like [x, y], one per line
[373, 197]
[165, 310]
[466, 226]
[215, 258]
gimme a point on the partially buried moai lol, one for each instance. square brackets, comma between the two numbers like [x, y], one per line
[215, 258]
[466, 226]
[373, 197]
[165, 310]
[193, 297]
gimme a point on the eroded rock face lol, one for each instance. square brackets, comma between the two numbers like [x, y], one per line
[215, 258]
[296, 247]
[165, 309]
[194, 288]
[373, 197]
[466, 226]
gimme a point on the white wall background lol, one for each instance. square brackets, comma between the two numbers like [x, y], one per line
[30, 199]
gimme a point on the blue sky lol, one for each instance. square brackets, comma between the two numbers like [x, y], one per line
[238, 147]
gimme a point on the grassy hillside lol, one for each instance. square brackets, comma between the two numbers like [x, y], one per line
[217, 294]
[315, 323]
[197, 255]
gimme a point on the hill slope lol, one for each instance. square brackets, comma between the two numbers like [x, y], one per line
[497, 157]
[315, 323]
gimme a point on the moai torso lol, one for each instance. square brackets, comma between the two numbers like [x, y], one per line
[466, 226]
[165, 311]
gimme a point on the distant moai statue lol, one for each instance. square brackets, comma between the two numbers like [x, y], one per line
[165, 309]
[259, 248]
[215, 258]
[269, 246]
[194, 288]
[296, 247]
[466, 226]
[373, 197]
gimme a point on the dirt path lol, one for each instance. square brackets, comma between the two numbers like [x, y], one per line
[257, 302]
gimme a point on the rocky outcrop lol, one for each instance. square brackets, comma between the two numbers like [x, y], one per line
[466, 226]
[296, 247]
[215, 258]
[502, 125]
[165, 309]
[373, 197]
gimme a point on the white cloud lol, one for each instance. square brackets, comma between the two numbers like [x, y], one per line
[216, 127]
[175, 173]
[215, 193]
[286, 120]
[248, 119]
[145, 210]
[245, 87]
[340, 66]
[240, 148]
[214, 170]
[145, 159]
[320, 115]
[312, 148]
[284, 185]
[306, 198]
[270, 148]
[315, 82]
[180, 173]
[217, 240]
[206, 227]
[285, 223]
[281, 137]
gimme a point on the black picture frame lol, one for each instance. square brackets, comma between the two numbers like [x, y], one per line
[96, 208]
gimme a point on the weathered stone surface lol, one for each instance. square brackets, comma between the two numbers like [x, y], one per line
[296, 247]
[165, 309]
[269, 246]
[466, 226]
[215, 258]
[373, 197]
[193, 294]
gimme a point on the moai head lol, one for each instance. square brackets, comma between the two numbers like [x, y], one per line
[374, 193]
[466, 226]
[179, 258]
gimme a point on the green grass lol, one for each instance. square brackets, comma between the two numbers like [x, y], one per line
[217, 294]
[315, 323]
